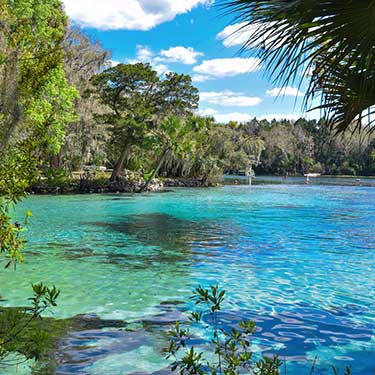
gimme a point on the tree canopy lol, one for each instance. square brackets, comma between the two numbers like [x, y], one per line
[139, 101]
[36, 101]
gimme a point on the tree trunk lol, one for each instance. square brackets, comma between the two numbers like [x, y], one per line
[119, 166]
[12, 126]
[155, 171]
[10, 97]
[56, 161]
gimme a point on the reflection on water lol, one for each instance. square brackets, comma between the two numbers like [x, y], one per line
[298, 260]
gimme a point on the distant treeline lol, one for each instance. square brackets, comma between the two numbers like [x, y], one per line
[310, 146]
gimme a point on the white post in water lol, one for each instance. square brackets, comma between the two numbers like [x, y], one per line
[308, 175]
[250, 175]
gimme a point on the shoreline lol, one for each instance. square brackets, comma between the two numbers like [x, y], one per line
[100, 186]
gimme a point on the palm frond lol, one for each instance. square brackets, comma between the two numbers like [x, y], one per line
[332, 38]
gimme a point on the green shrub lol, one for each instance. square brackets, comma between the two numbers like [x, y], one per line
[56, 176]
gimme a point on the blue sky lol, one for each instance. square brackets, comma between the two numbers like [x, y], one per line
[193, 37]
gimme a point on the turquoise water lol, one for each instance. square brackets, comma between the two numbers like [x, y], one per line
[299, 260]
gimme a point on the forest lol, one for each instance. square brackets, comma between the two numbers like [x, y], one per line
[130, 119]
[124, 122]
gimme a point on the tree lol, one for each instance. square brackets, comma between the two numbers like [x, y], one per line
[139, 101]
[196, 160]
[30, 57]
[130, 92]
[178, 96]
[85, 138]
[36, 104]
[211, 149]
[172, 139]
[23, 332]
[331, 41]
[234, 148]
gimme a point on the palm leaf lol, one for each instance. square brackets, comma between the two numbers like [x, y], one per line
[334, 39]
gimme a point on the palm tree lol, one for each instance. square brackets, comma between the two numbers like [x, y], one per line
[331, 42]
[170, 139]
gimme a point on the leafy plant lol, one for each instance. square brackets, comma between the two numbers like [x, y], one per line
[328, 42]
[56, 176]
[22, 329]
[231, 350]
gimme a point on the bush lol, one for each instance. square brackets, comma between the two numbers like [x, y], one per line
[347, 169]
[56, 176]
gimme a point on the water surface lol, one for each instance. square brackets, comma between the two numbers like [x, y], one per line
[299, 260]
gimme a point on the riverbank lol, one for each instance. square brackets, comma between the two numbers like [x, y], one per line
[106, 186]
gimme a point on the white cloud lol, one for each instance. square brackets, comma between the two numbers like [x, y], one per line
[127, 14]
[229, 98]
[144, 53]
[200, 78]
[228, 67]
[235, 35]
[225, 117]
[184, 55]
[233, 116]
[242, 117]
[284, 91]
[161, 68]
[208, 112]
[180, 54]
[239, 34]
[112, 63]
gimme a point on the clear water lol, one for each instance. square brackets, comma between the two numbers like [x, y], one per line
[299, 260]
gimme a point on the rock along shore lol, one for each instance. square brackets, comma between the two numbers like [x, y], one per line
[107, 186]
